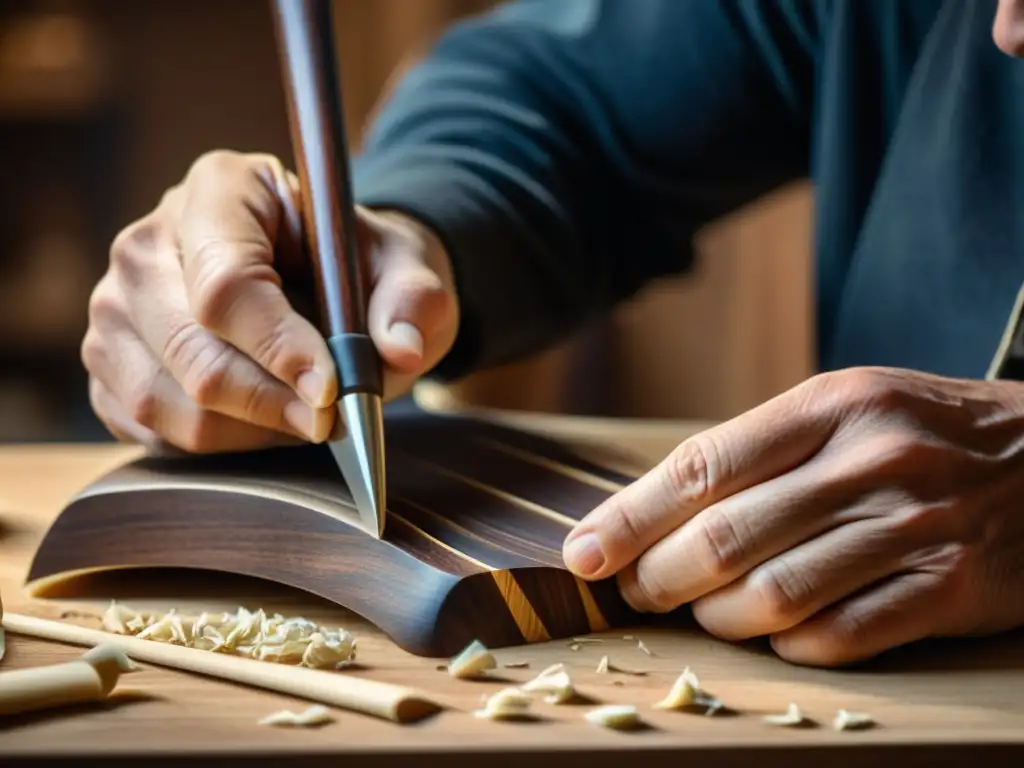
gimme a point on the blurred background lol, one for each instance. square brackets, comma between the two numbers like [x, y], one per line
[105, 103]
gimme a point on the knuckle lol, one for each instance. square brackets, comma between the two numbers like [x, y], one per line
[222, 275]
[274, 352]
[92, 351]
[215, 162]
[259, 401]
[652, 591]
[904, 454]
[142, 403]
[781, 592]
[690, 469]
[620, 520]
[200, 434]
[132, 250]
[206, 380]
[106, 305]
[719, 545]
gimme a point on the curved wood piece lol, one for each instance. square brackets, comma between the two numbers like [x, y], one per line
[472, 549]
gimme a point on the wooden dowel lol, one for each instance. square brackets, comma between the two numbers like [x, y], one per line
[88, 679]
[391, 702]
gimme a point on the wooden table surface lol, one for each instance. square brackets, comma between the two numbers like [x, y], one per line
[934, 704]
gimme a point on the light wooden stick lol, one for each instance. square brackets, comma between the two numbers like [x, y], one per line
[384, 700]
[90, 678]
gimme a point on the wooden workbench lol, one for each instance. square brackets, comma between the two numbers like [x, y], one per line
[934, 704]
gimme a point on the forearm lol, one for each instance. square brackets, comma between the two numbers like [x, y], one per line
[562, 166]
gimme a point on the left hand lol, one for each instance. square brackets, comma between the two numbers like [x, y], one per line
[861, 510]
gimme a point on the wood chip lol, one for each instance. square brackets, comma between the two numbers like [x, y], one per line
[473, 661]
[505, 704]
[558, 685]
[686, 693]
[314, 715]
[575, 647]
[791, 717]
[851, 721]
[640, 645]
[604, 666]
[617, 716]
[516, 664]
[584, 640]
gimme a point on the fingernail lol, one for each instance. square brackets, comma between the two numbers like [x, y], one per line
[583, 555]
[310, 386]
[407, 335]
[302, 419]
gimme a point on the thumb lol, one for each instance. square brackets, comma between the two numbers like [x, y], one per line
[410, 309]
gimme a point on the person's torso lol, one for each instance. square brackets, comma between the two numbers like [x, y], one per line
[918, 164]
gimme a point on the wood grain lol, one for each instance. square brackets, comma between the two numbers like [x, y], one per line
[472, 550]
[937, 704]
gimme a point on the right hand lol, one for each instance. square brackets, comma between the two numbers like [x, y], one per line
[192, 341]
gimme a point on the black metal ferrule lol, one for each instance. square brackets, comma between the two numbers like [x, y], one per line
[359, 366]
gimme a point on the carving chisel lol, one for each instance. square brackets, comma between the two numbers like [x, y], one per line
[316, 117]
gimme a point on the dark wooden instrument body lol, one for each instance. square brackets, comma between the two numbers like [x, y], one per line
[472, 548]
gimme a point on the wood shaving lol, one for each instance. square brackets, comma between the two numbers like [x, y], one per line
[553, 669]
[506, 703]
[629, 637]
[640, 645]
[604, 666]
[575, 647]
[558, 685]
[294, 641]
[516, 664]
[617, 716]
[472, 661]
[850, 721]
[686, 692]
[314, 715]
[792, 716]
[584, 640]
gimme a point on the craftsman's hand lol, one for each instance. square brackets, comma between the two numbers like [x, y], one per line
[193, 341]
[861, 510]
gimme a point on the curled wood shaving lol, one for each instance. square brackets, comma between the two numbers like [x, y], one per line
[585, 640]
[295, 641]
[575, 647]
[792, 716]
[849, 721]
[604, 666]
[558, 685]
[314, 715]
[516, 664]
[618, 716]
[640, 645]
[472, 661]
[506, 703]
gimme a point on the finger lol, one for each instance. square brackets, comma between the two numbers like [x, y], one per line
[712, 465]
[732, 537]
[409, 307]
[898, 611]
[799, 583]
[150, 398]
[212, 373]
[114, 418]
[232, 213]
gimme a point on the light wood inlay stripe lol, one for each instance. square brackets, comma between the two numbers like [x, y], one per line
[530, 506]
[582, 476]
[523, 613]
[595, 618]
[530, 624]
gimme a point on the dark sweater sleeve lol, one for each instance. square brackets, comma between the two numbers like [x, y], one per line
[566, 151]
